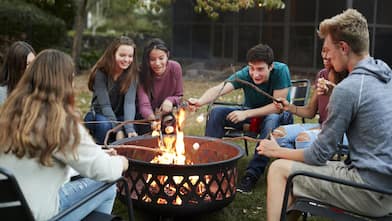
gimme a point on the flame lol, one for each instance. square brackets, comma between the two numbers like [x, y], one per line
[172, 146]
[173, 152]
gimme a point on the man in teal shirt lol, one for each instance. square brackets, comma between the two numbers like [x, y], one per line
[261, 72]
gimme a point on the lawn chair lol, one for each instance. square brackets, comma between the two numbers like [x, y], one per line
[299, 94]
[317, 208]
[13, 205]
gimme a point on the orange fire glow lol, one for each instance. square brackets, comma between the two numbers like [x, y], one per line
[173, 152]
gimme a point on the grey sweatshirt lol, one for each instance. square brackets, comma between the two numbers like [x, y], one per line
[360, 105]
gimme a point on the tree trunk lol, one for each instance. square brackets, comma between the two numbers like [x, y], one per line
[80, 19]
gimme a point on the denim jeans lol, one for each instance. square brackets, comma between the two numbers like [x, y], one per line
[99, 130]
[292, 131]
[74, 191]
[217, 121]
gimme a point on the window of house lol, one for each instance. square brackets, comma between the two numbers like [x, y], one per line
[301, 46]
[248, 36]
[228, 41]
[384, 12]
[201, 41]
[218, 41]
[366, 7]
[182, 40]
[273, 36]
[383, 45]
[331, 8]
[302, 10]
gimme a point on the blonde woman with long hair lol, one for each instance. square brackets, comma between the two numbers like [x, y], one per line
[42, 139]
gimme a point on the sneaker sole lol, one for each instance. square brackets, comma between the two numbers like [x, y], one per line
[244, 192]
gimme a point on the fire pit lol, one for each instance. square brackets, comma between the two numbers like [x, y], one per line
[208, 184]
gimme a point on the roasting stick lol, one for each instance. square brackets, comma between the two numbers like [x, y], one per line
[135, 147]
[119, 122]
[257, 89]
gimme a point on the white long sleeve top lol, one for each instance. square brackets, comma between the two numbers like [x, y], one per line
[40, 184]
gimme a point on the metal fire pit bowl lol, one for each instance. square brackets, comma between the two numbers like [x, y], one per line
[181, 190]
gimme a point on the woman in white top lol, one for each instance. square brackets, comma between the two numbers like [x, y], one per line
[42, 139]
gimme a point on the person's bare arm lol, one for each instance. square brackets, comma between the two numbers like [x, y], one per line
[308, 111]
[271, 148]
[212, 94]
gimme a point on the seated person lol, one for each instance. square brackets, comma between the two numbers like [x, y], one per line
[302, 135]
[161, 86]
[113, 81]
[360, 105]
[265, 74]
[19, 56]
[42, 140]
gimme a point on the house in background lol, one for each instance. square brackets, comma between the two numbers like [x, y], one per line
[291, 32]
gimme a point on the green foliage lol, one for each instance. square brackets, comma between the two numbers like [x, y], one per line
[133, 16]
[63, 9]
[89, 58]
[212, 8]
[22, 21]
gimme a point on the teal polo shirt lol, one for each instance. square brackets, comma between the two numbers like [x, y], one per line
[279, 79]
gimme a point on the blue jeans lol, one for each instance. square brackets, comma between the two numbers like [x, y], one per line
[99, 130]
[292, 131]
[217, 121]
[74, 191]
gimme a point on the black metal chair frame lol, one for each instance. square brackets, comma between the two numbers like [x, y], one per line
[317, 208]
[12, 199]
[297, 97]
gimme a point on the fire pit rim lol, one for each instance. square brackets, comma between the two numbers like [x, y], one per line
[240, 154]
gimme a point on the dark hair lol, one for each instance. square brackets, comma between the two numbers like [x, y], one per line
[146, 75]
[15, 64]
[107, 64]
[260, 52]
[38, 118]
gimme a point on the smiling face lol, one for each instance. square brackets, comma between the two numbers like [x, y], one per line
[158, 61]
[259, 71]
[124, 57]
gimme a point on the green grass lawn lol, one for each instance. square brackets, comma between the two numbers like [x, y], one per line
[244, 207]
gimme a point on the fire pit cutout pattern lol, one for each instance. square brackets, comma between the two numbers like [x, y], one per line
[178, 190]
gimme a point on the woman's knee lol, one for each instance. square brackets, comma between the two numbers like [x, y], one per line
[303, 137]
[279, 132]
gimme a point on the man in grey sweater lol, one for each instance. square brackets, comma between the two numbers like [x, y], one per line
[360, 106]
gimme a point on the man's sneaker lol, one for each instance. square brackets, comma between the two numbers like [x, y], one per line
[248, 182]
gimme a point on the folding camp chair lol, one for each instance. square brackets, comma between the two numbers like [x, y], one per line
[13, 205]
[317, 208]
[299, 94]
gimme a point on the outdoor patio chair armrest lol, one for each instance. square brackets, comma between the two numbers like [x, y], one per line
[99, 190]
[326, 178]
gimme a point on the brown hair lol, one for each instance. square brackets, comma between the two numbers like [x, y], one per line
[38, 118]
[260, 52]
[146, 75]
[15, 64]
[350, 27]
[107, 64]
